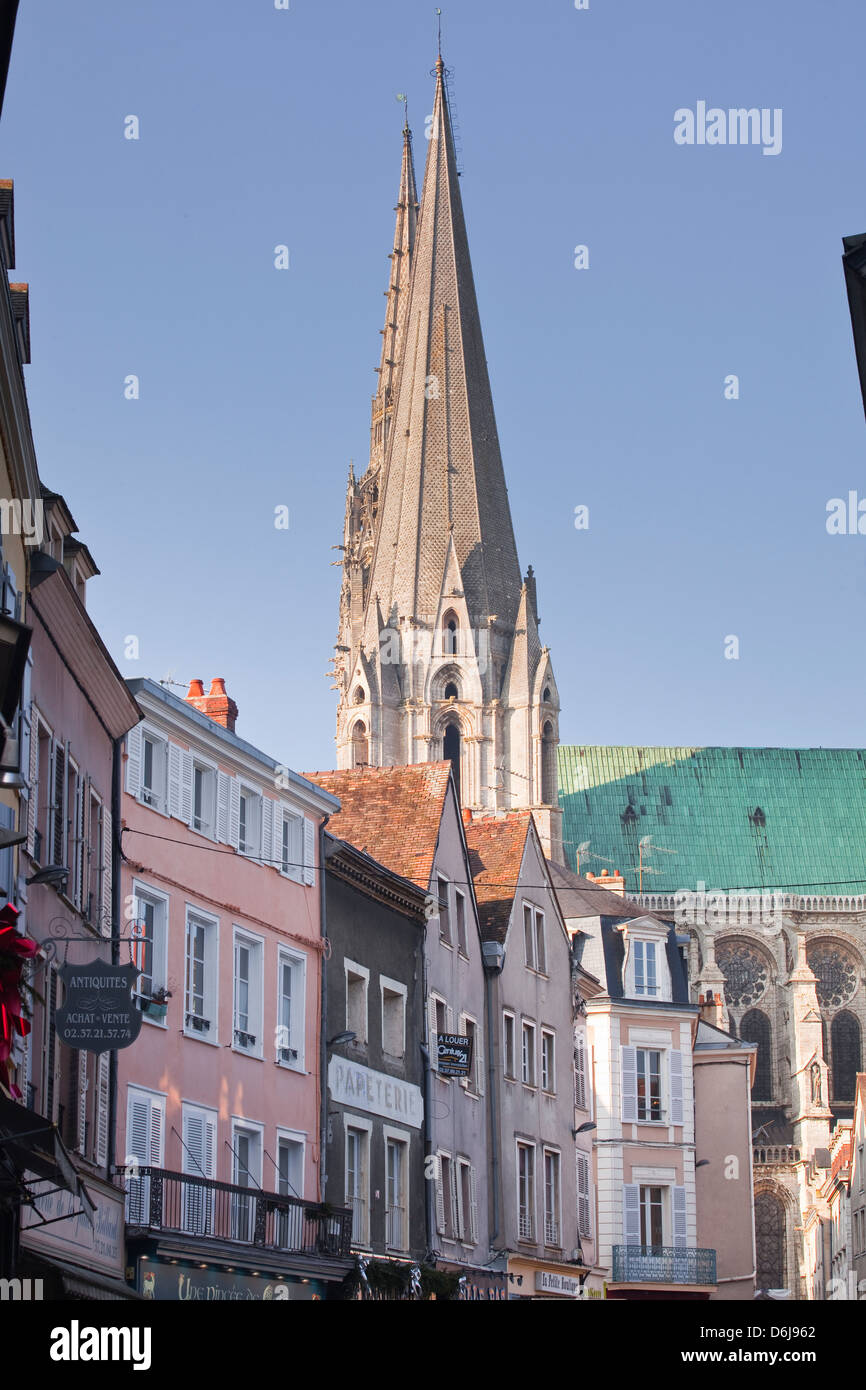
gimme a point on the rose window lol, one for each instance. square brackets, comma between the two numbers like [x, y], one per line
[745, 974]
[836, 972]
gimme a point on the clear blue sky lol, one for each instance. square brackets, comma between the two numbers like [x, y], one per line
[260, 127]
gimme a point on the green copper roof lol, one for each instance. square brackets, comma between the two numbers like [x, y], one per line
[786, 818]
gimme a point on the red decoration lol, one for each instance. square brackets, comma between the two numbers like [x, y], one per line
[15, 950]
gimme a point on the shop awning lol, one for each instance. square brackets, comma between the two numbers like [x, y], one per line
[32, 1153]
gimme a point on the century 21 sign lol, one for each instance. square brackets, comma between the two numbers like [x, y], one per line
[98, 1013]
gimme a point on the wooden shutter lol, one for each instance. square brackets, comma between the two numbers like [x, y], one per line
[629, 1083]
[82, 1102]
[449, 1020]
[174, 762]
[101, 1117]
[679, 1215]
[431, 1033]
[58, 815]
[631, 1213]
[133, 761]
[234, 825]
[676, 1064]
[222, 807]
[455, 1199]
[33, 799]
[583, 1205]
[268, 832]
[82, 800]
[185, 786]
[309, 850]
[462, 1020]
[479, 1060]
[440, 1197]
[105, 917]
[280, 810]
[50, 1082]
[473, 1212]
[580, 1072]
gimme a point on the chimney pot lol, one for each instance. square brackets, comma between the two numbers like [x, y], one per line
[195, 688]
[217, 705]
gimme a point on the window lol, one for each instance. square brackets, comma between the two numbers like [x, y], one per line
[528, 937]
[360, 745]
[357, 979]
[540, 952]
[444, 912]
[755, 1027]
[154, 769]
[645, 980]
[201, 974]
[439, 1020]
[508, 1046]
[393, 1017]
[291, 845]
[199, 1161]
[526, 1191]
[249, 822]
[548, 1064]
[247, 1027]
[474, 1082]
[649, 1085]
[460, 914]
[150, 940]
[203, 798]
[551, 1198]
[450, 629]
[246, 1172]
[145, 1128]
[290, 1183]
[527, 1070]
[357, 1181]
[291, 985]
[396, 1193]
[467, 1202]
[652, 1216]
[446, 1197]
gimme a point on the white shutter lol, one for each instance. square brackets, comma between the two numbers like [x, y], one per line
[82, 1100]
[234, 811]
[631, 1213]
[473, 1214]
[81, 836]
[102, 1064]
[267, 832]
[679, 1215]
[105, 925]
[309, 851]
[174, 799]
[583, 1205]
[461, 1027]
[455, 1200]
[676, 1063]
[479, 1060]
[33, 800]
[156, 1128]
[280, 809]
[133, 761]
[629, 1083]
[185, 786]
[222, 808]
[580, 1072]
[431, 1033]
[449, 1020]
[440, 1197]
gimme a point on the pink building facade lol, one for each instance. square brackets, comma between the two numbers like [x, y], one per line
[219, 1111]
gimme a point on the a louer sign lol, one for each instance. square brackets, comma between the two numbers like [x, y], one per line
[97, 1013]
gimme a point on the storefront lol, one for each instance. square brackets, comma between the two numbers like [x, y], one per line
[536, 1280]
[177, 1280]
[75, 1248]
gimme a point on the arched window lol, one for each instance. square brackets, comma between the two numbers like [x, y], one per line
[450, 628]
[451, 751]
[548, 765]
[770, 1241]
[360, 745]
[358, 695]
[546, 696]
[451, 691]
[755, 1028]
[844, 1056]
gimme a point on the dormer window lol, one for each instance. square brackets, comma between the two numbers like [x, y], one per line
[645, 974]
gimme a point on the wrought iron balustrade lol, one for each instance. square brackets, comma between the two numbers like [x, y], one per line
[186, 1204]
[663, 1264]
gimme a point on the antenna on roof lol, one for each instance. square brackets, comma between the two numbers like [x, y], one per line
[644, 846]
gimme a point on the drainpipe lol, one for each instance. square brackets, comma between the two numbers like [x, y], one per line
[493, 956]
[117, 859]
[429, 1185]
[323, 1025]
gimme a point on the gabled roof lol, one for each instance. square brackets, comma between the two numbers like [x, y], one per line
[392, 813]
[735, 818]
[496, 848]
[580, 897]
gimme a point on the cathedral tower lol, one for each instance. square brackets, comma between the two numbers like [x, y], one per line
[438, 654]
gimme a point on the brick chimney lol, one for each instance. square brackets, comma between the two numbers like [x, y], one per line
[712, 1010]
[613, 882]
[217, 705]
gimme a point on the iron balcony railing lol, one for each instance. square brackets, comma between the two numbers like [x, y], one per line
[663, 1264]
[185, 1204]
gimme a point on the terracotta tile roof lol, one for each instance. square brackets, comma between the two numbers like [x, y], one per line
[496, 846]
[392, 813]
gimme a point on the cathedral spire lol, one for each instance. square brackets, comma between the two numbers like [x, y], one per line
[397, 295]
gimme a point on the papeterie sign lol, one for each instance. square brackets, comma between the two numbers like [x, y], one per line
[454, 1053]
[374, 1091]
[97, 1013]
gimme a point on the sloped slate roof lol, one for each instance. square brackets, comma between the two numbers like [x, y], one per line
[580, 897]
[736, 818]
[391, 813]
[496, 846]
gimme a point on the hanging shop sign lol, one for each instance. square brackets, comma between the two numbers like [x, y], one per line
[98, 1013]
[454, 1053]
